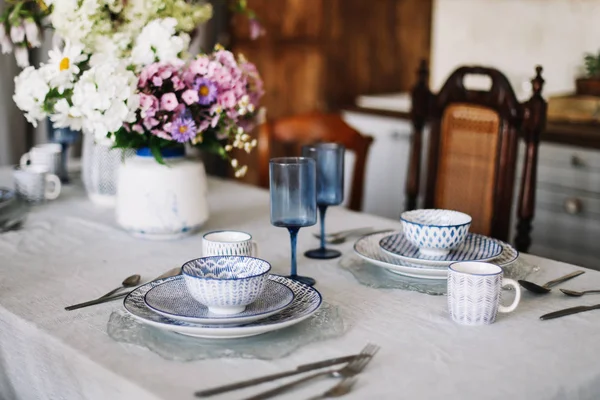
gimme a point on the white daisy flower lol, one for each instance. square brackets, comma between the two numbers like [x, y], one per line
[63, 64]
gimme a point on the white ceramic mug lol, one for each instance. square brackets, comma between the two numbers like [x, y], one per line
[474, 292]
[33, 183]
[228, 243]
[47, 155]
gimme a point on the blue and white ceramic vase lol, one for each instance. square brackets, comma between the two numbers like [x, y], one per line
[100, 165]
[161, 202]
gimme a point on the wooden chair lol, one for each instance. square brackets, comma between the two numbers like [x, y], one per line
[473, 146]
[300, 130]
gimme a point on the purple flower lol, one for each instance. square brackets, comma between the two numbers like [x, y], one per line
[183, 129]
[207, 91]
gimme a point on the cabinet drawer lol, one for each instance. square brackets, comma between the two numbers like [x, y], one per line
[563, 156]
[565, 166]
[575, 203]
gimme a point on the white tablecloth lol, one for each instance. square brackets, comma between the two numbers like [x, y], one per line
[71, 251]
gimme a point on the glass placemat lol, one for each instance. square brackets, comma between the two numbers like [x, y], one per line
[326, 323]
[380, 278]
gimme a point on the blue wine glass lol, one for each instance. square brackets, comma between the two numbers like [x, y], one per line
[293, 199]
[330, 187]
[65, 137]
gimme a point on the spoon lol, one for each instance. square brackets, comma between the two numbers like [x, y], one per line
[130, 281]
[577, 294]
[545, 288]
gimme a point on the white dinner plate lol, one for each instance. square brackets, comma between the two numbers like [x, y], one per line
[474, 248]
[173, 300]
[307, 301]
[368, 249]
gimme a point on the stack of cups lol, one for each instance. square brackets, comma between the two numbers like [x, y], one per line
[46, 155]
[37, 178]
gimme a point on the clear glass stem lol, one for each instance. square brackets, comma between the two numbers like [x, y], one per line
[322, 210]
[293, 239]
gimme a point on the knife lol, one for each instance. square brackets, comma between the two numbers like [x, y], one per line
[169, 273]
[268, 378]
[569, 311]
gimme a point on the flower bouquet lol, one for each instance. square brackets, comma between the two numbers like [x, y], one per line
[123, 76]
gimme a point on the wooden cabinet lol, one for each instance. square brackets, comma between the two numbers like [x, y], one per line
[567, 208]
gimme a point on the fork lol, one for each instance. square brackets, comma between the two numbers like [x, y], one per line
[350, 370]
[341, 389]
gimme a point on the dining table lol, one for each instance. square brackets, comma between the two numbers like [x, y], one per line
[70, 250]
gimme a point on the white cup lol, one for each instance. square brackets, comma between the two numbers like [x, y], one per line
[228, 243]
[474, 292]
[33, 183]
[47, 155]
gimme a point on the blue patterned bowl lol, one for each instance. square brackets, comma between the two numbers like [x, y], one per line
[435, 232]
[226, 284]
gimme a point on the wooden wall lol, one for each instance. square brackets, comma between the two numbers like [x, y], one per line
[321, 54]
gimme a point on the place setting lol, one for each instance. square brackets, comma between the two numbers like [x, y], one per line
[225, 304]
[418, 256]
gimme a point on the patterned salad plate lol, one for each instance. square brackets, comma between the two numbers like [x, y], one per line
[369, 250]
[173, 300]
[474, 248]
[305, 303]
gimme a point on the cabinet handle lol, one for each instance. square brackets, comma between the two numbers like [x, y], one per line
[577, 161]
[573, 206]
[396, 135]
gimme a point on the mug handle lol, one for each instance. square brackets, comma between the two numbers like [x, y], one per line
[52, 193]
[254, 249]
[25, 159]
[507, 309]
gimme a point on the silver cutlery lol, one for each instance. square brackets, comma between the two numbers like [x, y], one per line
[575, 293]
[342, 239]
[569, 311]
[341, 389]
[343, 233]
[169, 273]
[350, 370]
[130, 281]
[269, 378]
[545, 288]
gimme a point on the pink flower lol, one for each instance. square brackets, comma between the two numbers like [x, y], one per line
[157, 81]
[137, 128]
[177, 83]
[167, 127]
[166, 72]
[190, 97]
[199, 66]
[162, 134]
[222, 77]
[147, 73]
[150, 123]
[226, 58]
[256, 29]
[204, 125]
[169, 101]
[148, 105]
[215, 120]
[227, 99]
